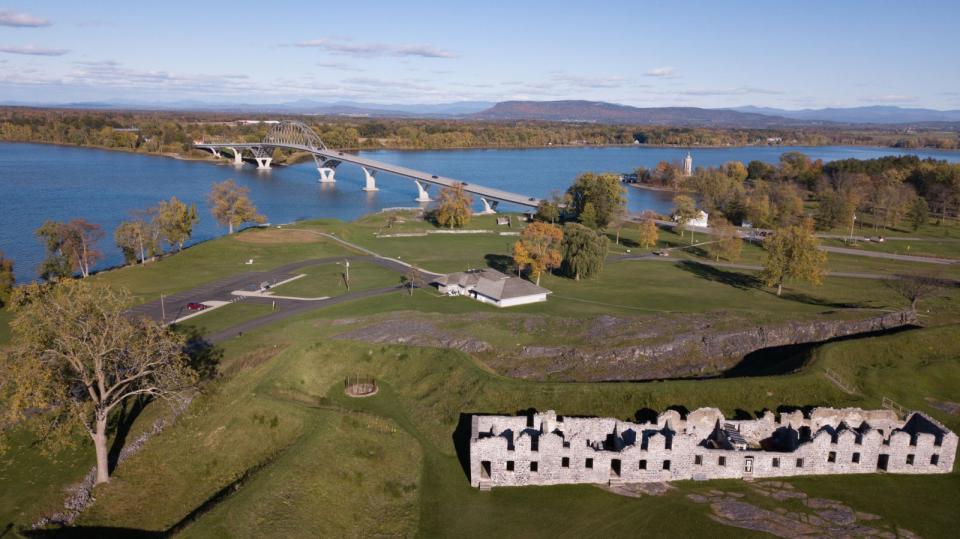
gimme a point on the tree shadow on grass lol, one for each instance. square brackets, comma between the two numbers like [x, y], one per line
[122, 423]
[735, 279]
[800, 297]
[204, 356]
[501, 263]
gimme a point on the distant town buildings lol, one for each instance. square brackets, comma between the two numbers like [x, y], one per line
[688, 165]
[488, 285]
[547, 449]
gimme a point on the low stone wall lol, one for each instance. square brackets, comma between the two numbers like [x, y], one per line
[684, 354]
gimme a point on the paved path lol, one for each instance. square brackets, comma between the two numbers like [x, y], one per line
[175, 305]
[654, 258]
[888, 256]
[287, 308]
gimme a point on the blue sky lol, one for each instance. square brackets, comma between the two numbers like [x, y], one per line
[709, 53]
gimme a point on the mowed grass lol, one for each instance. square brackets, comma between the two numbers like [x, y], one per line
[212, 260]
[227, 316]
[327, 280]
[314, 451]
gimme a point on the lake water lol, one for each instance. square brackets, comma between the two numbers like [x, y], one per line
[39, 182]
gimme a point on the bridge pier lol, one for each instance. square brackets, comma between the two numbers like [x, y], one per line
[216, 153]
[237, 156]
[327, 175]
[489, 207]
[263, 162]
[371, 183]
[422, 194]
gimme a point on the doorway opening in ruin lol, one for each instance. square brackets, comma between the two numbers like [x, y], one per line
[882, 461]
[615, 468]
[748, 466]
[485, 469]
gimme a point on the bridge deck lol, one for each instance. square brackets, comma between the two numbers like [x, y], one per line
[479, 190]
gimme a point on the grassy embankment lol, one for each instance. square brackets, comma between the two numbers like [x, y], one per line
[388, 464]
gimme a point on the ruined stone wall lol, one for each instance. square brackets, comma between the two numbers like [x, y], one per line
[545, 449]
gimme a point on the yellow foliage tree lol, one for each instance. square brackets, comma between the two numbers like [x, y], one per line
[453, 208]
[539, 248]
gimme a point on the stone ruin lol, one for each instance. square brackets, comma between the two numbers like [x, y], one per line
[547, 449]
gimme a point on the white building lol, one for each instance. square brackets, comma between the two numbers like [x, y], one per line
[490, 286]
[688, 165]
[699, 221]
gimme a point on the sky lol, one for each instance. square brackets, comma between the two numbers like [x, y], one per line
[786, 54]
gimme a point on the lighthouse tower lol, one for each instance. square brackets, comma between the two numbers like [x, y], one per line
[688, 165]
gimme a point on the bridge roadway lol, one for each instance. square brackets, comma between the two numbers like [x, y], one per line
[481, 191]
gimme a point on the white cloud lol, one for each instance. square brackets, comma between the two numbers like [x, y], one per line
[21, 20]
[372, 50]
[666, 72]
[33, 50]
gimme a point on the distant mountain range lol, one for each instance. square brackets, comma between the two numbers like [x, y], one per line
[610, 113]
[861, 115]
[563, 111]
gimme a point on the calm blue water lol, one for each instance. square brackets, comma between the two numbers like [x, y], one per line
[39, 182]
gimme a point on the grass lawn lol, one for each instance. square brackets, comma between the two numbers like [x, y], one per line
[215, 259]
[227, 316]
[313, 462]
[328, 467]
[327, 280]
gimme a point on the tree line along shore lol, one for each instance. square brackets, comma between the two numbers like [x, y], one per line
[173, 133]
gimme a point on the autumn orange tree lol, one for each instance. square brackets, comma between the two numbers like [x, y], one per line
[538, 248]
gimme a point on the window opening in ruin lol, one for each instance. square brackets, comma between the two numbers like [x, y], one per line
[882, 460]
[566, 445]
[799, 463]
[589, 463]
[485, 469]
[534, 443]
[530, 421]
[832, 456]
[615, 468]
[643, 464]
[509, 465]
[934, 459]
[668, 443]
[748, 465]
[909, 460]
[698, 460]
[666, 465]
[565, 462]
[776, 463]
[534, 465]
[722, 461]
[856, 458]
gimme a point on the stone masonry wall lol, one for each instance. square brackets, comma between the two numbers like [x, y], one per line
[545, 449]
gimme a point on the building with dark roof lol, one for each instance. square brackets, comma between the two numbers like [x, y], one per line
[491, 286]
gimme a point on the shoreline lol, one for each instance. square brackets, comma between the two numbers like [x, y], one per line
[182, 157]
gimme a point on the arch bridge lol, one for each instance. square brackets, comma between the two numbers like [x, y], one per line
[294, 135]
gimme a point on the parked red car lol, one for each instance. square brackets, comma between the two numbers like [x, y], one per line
[196, 306]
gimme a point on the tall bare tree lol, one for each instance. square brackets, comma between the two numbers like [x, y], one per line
[78, 356]
[914, 287]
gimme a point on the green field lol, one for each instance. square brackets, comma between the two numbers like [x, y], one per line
[273, 447]
[328, 280]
